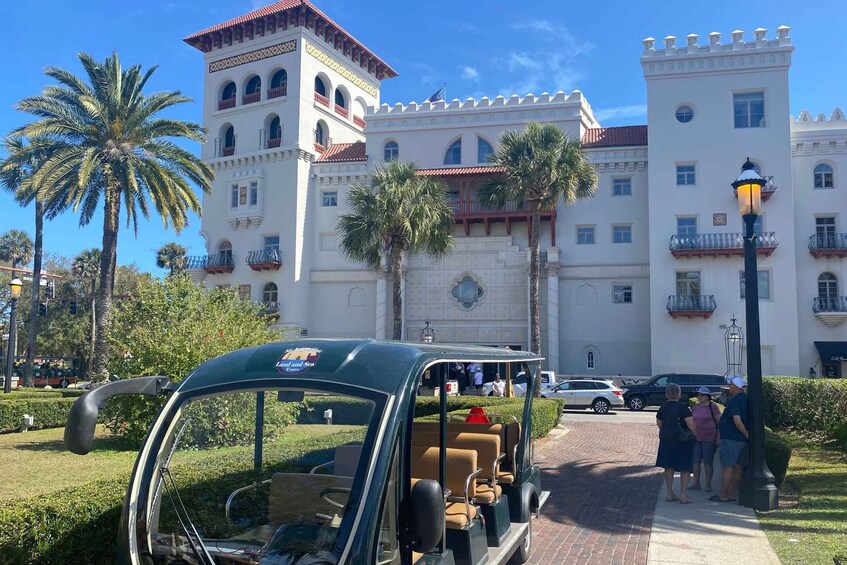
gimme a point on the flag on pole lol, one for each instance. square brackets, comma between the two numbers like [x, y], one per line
[437, 96]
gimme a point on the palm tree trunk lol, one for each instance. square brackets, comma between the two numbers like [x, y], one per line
[38, 250]
[397, 275]
[534, 293]
[108, 259]
[92, 342]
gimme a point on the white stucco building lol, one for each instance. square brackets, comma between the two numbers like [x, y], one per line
[642, 278]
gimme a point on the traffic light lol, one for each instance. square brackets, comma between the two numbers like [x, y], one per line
[72, 307]
[51, 290]
[42, 309]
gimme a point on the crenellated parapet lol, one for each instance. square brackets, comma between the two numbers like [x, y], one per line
[716, 55]
[546, 107]
[820, 134]
[805, 121]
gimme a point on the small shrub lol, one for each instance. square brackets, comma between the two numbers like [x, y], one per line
[345, 410]
[777, 456]
[839, 434]
[48, 412]
[813, 408]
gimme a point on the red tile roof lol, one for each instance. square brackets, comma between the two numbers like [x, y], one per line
[195, 39]
[460, 171]
[615, 137]
[343, 152]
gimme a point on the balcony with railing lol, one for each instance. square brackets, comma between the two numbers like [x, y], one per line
[720, 245]
[321, 99]
[217, 264]
[341, 111]
[828, 245]
[472, 212]
[277, 92]
[226, 103]
[251, 98]
[832, 311]
[691, 305]
[264, 260]
[319, 148]
[767, 190]
[358, 121]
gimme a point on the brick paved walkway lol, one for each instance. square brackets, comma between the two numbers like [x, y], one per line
[603, 487]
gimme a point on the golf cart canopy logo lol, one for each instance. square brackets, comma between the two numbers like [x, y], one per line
[298, 360]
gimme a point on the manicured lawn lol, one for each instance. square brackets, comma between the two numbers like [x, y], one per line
[815, 531]
[36, 462]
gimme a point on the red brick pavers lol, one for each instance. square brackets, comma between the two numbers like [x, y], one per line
[603, 488]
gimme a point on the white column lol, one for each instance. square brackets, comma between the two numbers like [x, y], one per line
[553, 317]
[381, 286]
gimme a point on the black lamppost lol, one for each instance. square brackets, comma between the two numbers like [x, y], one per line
[757, 489]
[15, 292]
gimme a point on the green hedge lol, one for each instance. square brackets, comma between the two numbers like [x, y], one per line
[777, 456]
[30, 393]
[814, 408]
[345, 410]
[545, 412]
[48, 412]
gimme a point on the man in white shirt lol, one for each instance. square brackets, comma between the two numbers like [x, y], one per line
[477, 381]
[498, 387]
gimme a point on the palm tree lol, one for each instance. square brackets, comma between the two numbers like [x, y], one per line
[396, 212]
[543, 166]
[22, 158]
[16, 247]
[86, 267]
[107, 143]
[171, 256]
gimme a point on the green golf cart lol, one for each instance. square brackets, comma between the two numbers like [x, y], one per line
[322, 452]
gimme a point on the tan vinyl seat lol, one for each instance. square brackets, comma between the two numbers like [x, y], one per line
[460, 468]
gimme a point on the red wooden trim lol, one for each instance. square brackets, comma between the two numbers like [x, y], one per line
[690, 314]
[277, 92]
[818, 253]
[251, 98]
[274, 142]
[735, 252]
[226, 104]
[319, 148]
[358, 121]
[321, 99]
[227, 151]
[269, 266]
[341, 111]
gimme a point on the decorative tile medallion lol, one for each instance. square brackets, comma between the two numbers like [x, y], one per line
[253, 56]
[340, 69]
[719, 219]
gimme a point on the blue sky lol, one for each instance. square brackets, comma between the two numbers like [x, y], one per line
[476, 47]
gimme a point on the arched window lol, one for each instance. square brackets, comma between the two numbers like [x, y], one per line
[270, 293]
[225, 253]
[484, 150]
[589, 361]
[391, 151]
[279, 84]
[320, 134]
[454, 154]
[827, 286]
[823, 176]
[339, 98]
[228, 91]
[254, 85]
[275, 129]
[228, 141]
[320, 87]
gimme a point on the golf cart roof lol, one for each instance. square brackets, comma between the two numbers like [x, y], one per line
[384, 366]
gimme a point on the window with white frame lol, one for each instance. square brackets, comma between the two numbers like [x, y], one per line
[622, 187]
[585, 235]
[233, 203]
[391, 151]
[688, 283]
[329, 198]
[621, 234]
[825, 231]
[590, 361]
[684, 114]
[271, 243]
[764, 285]
[749, 109]
[686, 227]
[254, 193]
[622, 294]
[823, 176]
[686, 175]
[454, 153]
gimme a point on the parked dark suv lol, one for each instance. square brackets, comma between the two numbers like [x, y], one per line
[652, 393]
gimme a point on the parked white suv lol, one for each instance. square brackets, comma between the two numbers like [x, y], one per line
[598, 395]
[548, 381]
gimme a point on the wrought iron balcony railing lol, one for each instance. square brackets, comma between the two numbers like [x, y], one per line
[218, 263]
[828, 245]
[691, 305]
[836, 304]
[264, 259]
[718, 244]
[277, 92]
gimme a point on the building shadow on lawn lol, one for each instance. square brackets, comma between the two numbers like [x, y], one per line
[105, 443]
[612, 497]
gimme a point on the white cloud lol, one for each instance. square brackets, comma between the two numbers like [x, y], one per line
[470, 73]
[631, 111]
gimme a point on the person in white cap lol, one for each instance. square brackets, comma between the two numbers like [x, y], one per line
[733, 428]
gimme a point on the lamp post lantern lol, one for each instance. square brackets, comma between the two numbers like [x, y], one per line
[427, 334]
[734, 339]
[14, 293]
[757, 485]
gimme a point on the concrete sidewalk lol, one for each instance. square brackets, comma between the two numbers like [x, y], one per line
[706, 532]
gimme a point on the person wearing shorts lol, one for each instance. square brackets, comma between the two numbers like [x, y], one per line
[477, 381]
[706, 416]
[733, 427]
